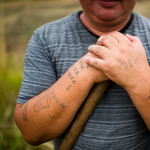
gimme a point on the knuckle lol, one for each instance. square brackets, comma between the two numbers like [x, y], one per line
[95, 63]
[99, 42]
[103, 38]
[129, 44]
[121, 49]
[97, 50]
[113, 34]
[109, 65]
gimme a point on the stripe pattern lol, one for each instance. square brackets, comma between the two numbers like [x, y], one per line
[115, 123]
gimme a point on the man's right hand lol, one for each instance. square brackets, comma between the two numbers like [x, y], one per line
[96, 75]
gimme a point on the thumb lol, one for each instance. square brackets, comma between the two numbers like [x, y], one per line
[134, 40]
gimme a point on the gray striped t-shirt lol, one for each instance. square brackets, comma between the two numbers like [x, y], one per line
[115, 123]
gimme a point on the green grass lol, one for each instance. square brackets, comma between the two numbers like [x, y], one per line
[18, 21]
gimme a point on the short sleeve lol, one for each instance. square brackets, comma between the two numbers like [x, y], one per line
[39, 72]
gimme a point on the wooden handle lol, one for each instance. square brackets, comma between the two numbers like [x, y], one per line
[83, 115]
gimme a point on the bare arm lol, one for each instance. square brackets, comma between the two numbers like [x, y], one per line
[123, 60]
[48, 115]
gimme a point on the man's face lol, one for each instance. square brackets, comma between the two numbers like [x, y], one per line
[107, 10]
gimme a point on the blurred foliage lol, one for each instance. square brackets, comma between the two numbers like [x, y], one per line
[18, 20]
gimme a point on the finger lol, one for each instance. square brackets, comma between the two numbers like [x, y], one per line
[100, 51]
[134, 40]
[95, 62]
[107, 41]
[119, 37]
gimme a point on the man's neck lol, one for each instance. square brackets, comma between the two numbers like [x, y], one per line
[103, 29]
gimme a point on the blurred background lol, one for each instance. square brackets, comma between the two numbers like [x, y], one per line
[18, 20]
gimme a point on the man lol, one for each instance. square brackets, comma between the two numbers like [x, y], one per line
[59, 73]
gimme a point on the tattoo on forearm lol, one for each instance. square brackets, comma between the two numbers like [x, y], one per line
[76, 71]
[51, 116]
[71, 77]
[42, 103]
[24, 113]
[88, 66]
[68, 88]
[56, 99]
[62, 105]
[81, 64]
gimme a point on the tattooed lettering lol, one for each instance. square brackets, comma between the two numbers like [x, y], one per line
[136, 61]
[76, 71]
[44, 102]
[73, 81]
[131, 65]
[24, 113]
[88, 66]
[71, 77]
[68, 88]
[56, 99]
[62, 105]
[69, 74]
[51, 116]
[124, 63]
[81, 64]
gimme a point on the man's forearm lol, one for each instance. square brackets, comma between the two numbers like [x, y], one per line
[140, 96]
[124, 61]
[47, 115]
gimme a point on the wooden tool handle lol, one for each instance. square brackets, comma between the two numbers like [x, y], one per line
[83, 115]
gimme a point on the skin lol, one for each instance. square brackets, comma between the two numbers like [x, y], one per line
[123, 60]
[103, 20]
[48, 115]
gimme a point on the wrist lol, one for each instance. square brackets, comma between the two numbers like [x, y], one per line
[141, 89]
[87, 72]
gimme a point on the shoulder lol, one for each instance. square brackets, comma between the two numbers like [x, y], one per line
[141, 21]
[140, 27]
[141, 17]
[58, 26]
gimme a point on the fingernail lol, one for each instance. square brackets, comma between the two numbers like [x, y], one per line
[86, 58]
[89, 47]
